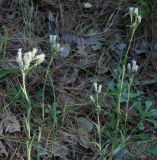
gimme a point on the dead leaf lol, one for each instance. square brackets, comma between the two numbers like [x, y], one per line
[59, 150]
[102, 69]
[86, 123]
[92, 32]
[3, 151]
[84, 137]
[65, 100]
[51, 17]
[65, 50]
[119, 47]
[86, 60]
[154, 49]
[66, 36]
[141, 46]
[8, 123]
[85, 127]
[94, 43]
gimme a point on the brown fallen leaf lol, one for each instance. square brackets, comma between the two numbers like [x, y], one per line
[3, 152]
[8, 123]
[58, 149]
[84, 137]
[86, 123]
[85, 127]
[65, 100]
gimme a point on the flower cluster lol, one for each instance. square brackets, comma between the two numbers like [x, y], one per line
[132, 68]
[95, 99]
[53, 41]
[97, 89]
[24, 59]
[135, 17]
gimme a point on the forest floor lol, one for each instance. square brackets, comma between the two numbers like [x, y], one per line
[83, 102]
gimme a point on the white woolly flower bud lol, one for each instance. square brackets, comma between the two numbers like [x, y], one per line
[99, 89]
[40, 58]
[131, 9]
[134, 67]
[92, 98]
[139, 19]
[27, 59]
[133, 62]
[19, 58]
[95, 86]
[34, 51]
[129, 67]
[58, 46]
[53, 38]
[135, 11]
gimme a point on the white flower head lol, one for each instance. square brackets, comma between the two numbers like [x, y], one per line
[24, 60]
[133, 10]
[132, 68]
[53, 38]
[134, 16]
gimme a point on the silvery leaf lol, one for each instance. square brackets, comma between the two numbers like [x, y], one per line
[65, 50]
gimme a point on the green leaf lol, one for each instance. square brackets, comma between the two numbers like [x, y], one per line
[148, 105]
[153, 113]
[143, 136]
[138, 106]
[141, 125]
[153, 150]
[153, 121]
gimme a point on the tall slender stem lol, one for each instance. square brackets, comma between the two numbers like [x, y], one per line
[128, 99]
[98, 120]
[28, 115]
[128, 48]
[43, 95]
[120, 90]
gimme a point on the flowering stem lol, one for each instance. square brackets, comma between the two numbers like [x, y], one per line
[122, 81]
[98, 120]
[121, 89]
[127, 52]
[28, 115]
[24, 87]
